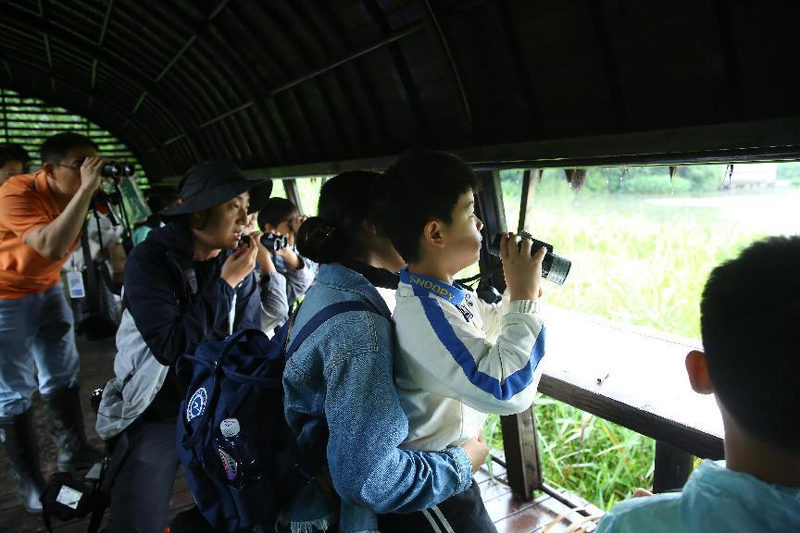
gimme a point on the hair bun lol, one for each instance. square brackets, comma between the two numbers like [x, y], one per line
[316, 240]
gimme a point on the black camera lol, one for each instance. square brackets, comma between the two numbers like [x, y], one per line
[274, 242]
[67, 498]
[554, 268]
[116, 169]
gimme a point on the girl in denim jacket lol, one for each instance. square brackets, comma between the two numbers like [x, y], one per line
[338, 384]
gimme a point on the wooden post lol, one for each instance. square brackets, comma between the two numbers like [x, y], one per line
[521, 446]
[673, 467]
[519, 431]
[490, 209]
[293, 195]
[526, 200]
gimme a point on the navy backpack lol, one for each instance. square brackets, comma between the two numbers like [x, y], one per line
[236, 389]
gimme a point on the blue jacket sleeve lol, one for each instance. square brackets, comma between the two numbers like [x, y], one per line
[366, 425]
[248, 304]
[151, 299]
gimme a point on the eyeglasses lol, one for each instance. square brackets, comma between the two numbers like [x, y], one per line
[77, 166]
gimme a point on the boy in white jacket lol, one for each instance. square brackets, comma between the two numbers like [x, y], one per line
[457, 358]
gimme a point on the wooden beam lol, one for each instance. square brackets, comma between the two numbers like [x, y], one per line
[407, 87]
[391, 38]
[527, 87]
[145, 133]
[690, 440]
[373, 123]
[741, 142]
[189, 42]
[441, 44]
[106, 20]
[121, 67]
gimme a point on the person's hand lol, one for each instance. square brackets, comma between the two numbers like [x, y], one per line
[90, 173]
[477, 450]
[263, 256]
[523, 272]
[240, 263]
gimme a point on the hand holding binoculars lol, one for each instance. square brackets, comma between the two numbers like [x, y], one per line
[554, 268]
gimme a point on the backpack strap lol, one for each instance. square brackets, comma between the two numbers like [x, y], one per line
[308, 465]
[323, 316]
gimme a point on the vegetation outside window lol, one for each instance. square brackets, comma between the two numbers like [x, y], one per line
[642, 244]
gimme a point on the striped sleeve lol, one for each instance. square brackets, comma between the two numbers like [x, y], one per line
[449, 356]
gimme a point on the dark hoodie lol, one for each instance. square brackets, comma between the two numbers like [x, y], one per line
[177, 303]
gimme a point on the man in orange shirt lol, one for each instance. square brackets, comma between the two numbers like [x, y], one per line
[41, 216]
[13, 160]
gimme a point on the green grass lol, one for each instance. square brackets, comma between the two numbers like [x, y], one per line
[596, 459]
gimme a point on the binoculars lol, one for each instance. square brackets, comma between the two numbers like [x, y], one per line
[274, 242]
[116, 169]
[554, 268]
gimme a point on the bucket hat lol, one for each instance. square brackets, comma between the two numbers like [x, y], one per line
[210, 183]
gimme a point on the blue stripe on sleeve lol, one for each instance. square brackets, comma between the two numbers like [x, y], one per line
[515, 383]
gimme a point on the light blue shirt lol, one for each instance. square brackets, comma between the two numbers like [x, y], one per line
[714, 499]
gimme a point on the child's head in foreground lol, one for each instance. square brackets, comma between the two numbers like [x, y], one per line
[750, 320]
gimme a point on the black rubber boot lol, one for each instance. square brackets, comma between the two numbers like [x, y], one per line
[64, 417]
[19, 440]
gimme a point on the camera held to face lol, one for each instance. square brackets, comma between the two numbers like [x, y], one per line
[274, 242]
[554, 268]
[117, 169]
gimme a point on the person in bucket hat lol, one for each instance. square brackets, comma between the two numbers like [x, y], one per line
[189, 282]
[210, 183]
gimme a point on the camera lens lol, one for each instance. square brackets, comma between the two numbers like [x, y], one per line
[555, 268]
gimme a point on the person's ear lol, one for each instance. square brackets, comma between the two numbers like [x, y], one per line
[48, 168]
[433, 233]
[198, 220]
[697, 369]
[268, 228]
